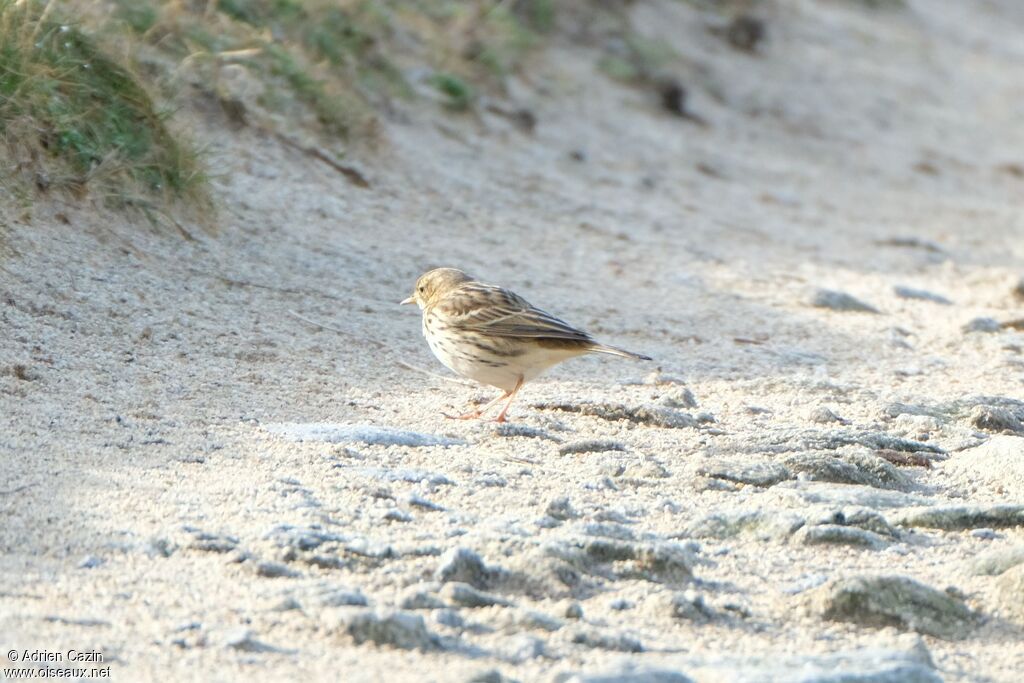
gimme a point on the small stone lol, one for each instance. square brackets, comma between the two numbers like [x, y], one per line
[561, 509]
[403, 630]
[466, 566]
[995, 419]
[538, 620]
[893, 601]
[396, 515]
[618, 642]
[242, 639]
[89, 562]
[640, 675]
[690, 606]
[823, 415]
[839, 301]
[419, 501]
[274, 570]
[417, 597]
[963, 517]
[573, 610]
[920, 294]
[745, 32]
[680, 397]
[984, 534]
[834, 534]
[762, 474]
[983, 325]
[465, 595]
[368, 434]
[591, 446]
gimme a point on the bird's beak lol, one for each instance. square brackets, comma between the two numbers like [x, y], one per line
[409, 300]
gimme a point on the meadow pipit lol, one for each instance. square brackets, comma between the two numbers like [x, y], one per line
[493, 336]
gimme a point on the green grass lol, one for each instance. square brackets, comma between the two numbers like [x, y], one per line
[81, 120]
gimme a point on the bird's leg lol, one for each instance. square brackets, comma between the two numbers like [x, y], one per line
[473, 414]
[511, 395]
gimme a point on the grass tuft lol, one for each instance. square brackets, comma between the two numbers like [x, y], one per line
[75, 119]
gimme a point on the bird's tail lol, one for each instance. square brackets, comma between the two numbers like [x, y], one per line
[616, 351]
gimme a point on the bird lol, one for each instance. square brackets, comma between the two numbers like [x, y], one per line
[493, 336]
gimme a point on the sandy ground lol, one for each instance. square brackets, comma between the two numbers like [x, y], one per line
[151, 513]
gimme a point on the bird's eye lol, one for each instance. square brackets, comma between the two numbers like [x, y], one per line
[422, 289]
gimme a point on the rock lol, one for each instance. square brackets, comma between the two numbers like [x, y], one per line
[899, 601]
[690, 606]
[762, 474]
[522, 648]
[330, 595]
[984, 325]
[996, 419]
[678, 398]
[640, 675]
[421, 596]
[403, 630]
[416, 500]
[789, 440]
[862, 518]
[656, 561]
[654, 416]
[763, 524]
[490, 676]
[834, 534]
[845, 494]
[509, 429]
[745, 32]
[210, 542]
[242, 639]
[591, 446]
[868, 665]
[839, 301]
[573, 610]
[89, 562]
[561, 509]
[466, 596]
[368, 434]
[1010, 594]
[920, 294]
[466, 566]
[997, 561]
[274, 570]
[396, 515]
[530, 619]
[985, 534]
[823, 415]
[963, 517]
[857, 467]
[618, 642]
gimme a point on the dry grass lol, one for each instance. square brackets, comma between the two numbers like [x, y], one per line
[73, 119]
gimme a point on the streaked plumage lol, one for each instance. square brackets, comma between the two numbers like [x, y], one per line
[493, 336]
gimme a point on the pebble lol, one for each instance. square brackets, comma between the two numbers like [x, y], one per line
[963, 517]
[403, 630]
[839, 301]
[885, 600]
[921, 295]
[983, 325]
[367, 434]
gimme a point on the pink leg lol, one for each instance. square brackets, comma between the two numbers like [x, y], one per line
[511, 395]
[473, 414]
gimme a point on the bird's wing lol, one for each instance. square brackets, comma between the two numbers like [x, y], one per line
[487, 309]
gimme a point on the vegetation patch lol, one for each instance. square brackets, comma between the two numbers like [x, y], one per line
[73, 118]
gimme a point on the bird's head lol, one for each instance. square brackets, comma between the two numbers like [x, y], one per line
[433, 285]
